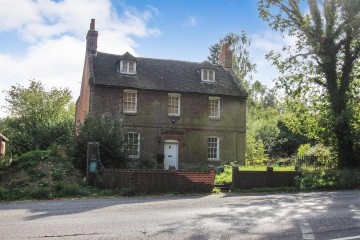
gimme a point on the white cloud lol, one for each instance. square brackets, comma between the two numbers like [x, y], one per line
[15, 17]
[260, 45]
[56, 63]
[267, 41]
[263, 43]
[56, 32]
[192, 21]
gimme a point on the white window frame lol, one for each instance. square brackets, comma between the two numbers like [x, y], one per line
[125, 108]
[125, 67]
[205, 74]
[212, 99]
[216, 148]
[132, 144]
[174, 95]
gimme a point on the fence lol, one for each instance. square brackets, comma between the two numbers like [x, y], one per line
[158, 181]
[261, 179]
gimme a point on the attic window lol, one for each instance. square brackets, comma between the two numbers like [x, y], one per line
[207, 75]
[128, 67]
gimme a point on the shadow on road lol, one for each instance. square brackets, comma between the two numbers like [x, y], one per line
[42, 209]
[254, 215]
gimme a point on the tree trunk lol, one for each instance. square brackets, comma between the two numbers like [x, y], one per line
[345, 144]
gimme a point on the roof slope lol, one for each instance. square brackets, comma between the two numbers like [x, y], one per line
[165, 75]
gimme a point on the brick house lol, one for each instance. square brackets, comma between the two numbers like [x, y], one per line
[187, 113]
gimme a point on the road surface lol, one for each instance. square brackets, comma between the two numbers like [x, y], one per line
[322, 215]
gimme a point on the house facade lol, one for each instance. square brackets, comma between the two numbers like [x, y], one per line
[176, 113]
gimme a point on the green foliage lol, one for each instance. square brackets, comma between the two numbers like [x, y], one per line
[329, 179]
[224, 177]
[5, 194]
[38, 118]
[319, 72]
[63, 189]
[287, 142]
[216, 190]
[262, 124]
[34, 175]
[317, 156]
[112, 141]
[238, 43]
[267, 190]
[255, 151]
[31, 158]
[41, 193]
[58, 173]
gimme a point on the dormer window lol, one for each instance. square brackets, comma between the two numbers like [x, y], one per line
[128, 67]
[207, 75]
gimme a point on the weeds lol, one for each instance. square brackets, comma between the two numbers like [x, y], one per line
[216, 190]
[329, 179]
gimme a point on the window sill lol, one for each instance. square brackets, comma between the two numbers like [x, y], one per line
[213, 159]
[130, 113]
[214, 118]
[209, 82]
[129, 74]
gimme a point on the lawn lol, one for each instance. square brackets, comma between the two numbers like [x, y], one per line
[226, 176]
[263, 168]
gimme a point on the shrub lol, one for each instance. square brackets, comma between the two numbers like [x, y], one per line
[216, 190]
[127, 191]
[329, 179]
[109, 133]
[58, 173]
[224, 177]
[69, 190]
[4, 194]
[41, 193]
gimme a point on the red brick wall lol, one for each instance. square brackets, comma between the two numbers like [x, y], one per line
[158, 181]
[82, 104]
[261, 179]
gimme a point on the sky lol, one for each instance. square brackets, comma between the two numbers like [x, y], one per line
[45, 39]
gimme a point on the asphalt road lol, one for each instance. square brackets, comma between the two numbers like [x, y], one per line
[324, 215]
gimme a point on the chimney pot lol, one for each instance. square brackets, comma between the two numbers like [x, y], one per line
[92, 24]
[91, 38]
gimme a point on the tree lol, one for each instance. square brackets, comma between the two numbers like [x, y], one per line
[326, 51]
[38, 118]
[108, 132]
[242, 65]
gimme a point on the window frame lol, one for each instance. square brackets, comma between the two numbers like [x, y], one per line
[217, 149]
[129, 91]
[174, 95]
[218, 110]
[133, 156]
[206, 72]
[127, 70]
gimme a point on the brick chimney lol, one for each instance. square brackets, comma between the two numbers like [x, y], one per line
[91, 38]
[225, 56]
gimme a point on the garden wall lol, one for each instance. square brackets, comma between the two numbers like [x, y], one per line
[262, 179]
[158, 181]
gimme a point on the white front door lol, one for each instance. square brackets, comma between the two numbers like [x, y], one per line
[171, 155]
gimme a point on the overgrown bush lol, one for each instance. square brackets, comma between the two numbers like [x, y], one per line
[63, 189]
[41, 193]
[112, 141]
[224, 177]
[38, 118]
[329, 179]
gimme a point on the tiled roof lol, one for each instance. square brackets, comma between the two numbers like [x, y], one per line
[165, 75]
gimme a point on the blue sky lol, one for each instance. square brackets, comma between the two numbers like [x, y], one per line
[45, 40]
